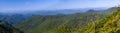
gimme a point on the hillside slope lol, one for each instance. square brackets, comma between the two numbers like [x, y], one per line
[110, 24]
[61, 23]
[40, 24]
[6, 28]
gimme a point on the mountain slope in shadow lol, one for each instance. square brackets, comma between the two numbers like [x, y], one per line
[7, 28]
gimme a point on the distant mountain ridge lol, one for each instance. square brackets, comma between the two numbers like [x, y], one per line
[13, 18]
[54, 12]
[66, 11]
[55, 23]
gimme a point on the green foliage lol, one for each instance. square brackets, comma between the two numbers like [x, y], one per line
[6, 28]
[110, 24]
[72, 23]
[40, 24]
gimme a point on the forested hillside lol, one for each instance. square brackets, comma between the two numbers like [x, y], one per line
[59, 16]
[59, 23]
[7, 28]
[110, 24]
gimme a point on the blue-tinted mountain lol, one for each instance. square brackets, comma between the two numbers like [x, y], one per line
[14, 18]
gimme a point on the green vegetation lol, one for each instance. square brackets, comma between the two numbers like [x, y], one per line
[40, 24]
[110, 24]
[6, 28]
[88, 22]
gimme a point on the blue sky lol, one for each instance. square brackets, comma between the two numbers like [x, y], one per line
[23, 5]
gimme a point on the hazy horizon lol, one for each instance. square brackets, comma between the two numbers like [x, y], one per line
[33, 5]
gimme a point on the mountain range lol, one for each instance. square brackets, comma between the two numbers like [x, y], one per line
[13, 18]
[62, 23]
[59, 21]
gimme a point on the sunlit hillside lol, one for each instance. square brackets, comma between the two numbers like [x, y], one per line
[109, 24]
[62, 23]
[59, 16]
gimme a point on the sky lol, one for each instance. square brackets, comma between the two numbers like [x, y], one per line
[23, 5]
